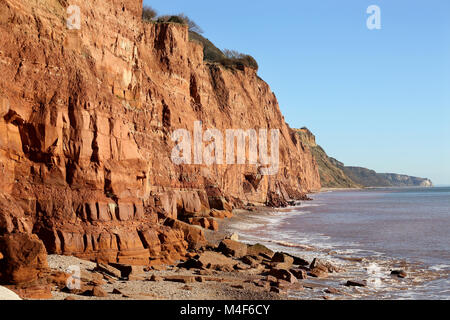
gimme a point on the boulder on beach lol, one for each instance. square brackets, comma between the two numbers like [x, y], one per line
[356, 283]
[260, 250]
[299, 261]
[98, 291]
[318, 273]
[128, 270]
[284, 258]
[210, 260]
[233, 248]
[109, 270]
[252, 261]
[324, 266]
[283, 274]
[299, 273]
[399, 273]
[24, 256]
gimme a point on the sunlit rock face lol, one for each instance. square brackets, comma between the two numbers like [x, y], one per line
[86, 118]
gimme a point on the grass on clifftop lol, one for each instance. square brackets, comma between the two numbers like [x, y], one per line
[227, 58]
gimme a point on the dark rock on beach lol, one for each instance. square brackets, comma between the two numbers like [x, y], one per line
[324, 266]
[318, 273]
[283, 274]
[399, 273]
[233, 248]
[281, 257]
[109, 270]
[299, 273]
[356, 283]
[260, 250]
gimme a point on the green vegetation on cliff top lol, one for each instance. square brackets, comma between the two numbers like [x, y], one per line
[227, 58]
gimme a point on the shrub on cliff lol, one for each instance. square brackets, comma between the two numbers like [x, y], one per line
[237, 59]
[181, 19]
[210, 51]
[227, 58]
[148, 14]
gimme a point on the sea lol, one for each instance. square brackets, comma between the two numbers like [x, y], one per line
[368, 233]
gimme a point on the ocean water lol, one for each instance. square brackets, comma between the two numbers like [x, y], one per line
[368, 232]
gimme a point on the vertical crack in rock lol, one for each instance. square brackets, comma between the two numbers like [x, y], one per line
[85, 155]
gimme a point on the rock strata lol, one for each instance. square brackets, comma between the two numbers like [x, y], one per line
[86, 123]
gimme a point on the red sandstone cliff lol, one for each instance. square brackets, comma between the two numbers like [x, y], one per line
[85, 132]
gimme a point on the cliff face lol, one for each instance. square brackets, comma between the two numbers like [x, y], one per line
[404, 180]
[85, 132]
[370, 178]
[334, 174]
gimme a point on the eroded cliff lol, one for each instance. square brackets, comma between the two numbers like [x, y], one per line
[331, 174]
[85, 133]
[335, 174]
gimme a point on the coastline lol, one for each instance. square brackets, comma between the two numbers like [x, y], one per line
[255, 280]
[375, 188]
[250, 277]
[377, 270]
[339, 189]
[162, 283]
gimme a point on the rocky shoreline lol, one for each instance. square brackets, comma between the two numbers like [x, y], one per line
[380, 276]
[223, 269]
[230, 270]
[87, 121]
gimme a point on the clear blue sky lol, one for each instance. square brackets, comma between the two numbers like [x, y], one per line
[378, 99]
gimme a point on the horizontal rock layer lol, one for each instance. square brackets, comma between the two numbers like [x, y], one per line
[86, 118]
